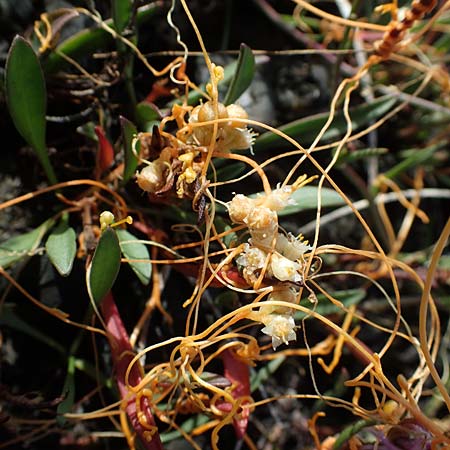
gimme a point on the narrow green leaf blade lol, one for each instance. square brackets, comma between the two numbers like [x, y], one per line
[61, 248]
[91, 39]
[26, 98]
[131, 162]
[121, 12]
[243, 76]
[68, 392]
[134, 250]
[9, 318]
[19, 247]
[306, 198]
[105, 266]
[306, 129]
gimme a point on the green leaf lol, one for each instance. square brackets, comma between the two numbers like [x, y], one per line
[195, 96]
[9, 318]
[243, 76]
[305, 130]
[416, 158]
[131, 162]
[121, 11]
[26, 97]
[68, 392]
[263, 374]
[61, 248]
[132, 249]
[19, 247]
[146, 116]
[350, 431]
[91, 39]
[104, 266]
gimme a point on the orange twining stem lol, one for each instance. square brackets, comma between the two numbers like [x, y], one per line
[396, 32]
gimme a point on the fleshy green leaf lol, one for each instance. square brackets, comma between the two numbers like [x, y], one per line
[130, 160]
[61, 248]
[19, 247]
[132, 249]
[26, 97]
[243, 76]
[121, 12]
[104, 266]
[305, 130]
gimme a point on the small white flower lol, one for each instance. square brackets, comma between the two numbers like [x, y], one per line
[284, 269]
[279, 198]
[280, 327]
[291, 247]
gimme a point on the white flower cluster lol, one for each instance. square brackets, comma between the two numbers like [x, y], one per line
[231, 135]
[271, 255]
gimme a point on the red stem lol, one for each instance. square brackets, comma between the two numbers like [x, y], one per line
[122, 354]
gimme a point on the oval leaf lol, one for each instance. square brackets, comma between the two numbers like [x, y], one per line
[19, 247]
[243, 76]
[26, 97]
[131, 162]
[104, 266]
[132, 249]
[307, 129]
[61, 248]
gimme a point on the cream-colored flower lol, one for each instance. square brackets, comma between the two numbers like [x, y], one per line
[281, 327]
[252, 261]
[284, 269]
[239, 208]
[291, 247]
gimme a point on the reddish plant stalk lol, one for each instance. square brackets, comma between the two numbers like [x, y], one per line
[122, 354]
[238, 373]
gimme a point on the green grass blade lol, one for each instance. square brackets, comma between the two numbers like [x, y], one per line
[104, 267]
[132, 249]
[122, 11]
[89, 40]
[9, 318]
[305, 130]
[68, 392]
[243, 76]
[26, 97]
